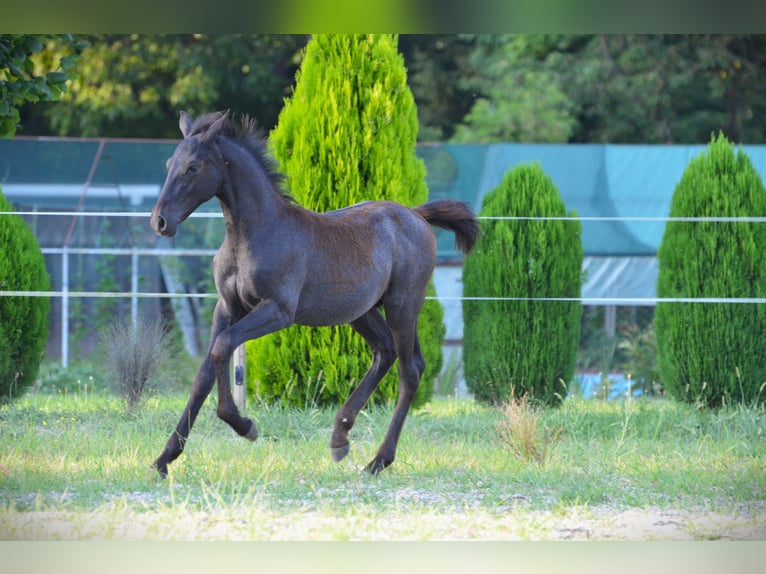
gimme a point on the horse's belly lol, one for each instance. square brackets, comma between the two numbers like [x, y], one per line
[336, 304]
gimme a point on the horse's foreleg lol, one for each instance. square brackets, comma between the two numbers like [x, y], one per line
[373, 327]
[267, 317]
[203, 383]
[227, 409]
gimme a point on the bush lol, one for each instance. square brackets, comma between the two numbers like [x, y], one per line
[23, 319]
[346, 135]
[530, 345]
[712, 353]
[133, 354]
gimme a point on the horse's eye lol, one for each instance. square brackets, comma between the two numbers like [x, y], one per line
[192, 168]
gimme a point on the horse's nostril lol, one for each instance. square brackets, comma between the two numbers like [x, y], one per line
[161, 223]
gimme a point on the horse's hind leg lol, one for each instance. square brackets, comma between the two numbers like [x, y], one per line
[373, 327]
[411, 367]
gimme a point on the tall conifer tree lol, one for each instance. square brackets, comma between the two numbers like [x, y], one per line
[712, 353]
[346, 135]
[525, 345]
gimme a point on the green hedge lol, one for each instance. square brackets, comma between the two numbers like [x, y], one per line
[528, 345]
[23, 319]
[346, 135]
[713, 353]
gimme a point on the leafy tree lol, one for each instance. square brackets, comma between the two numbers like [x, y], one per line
[133, 85]
[346, 135]
[713, 352]
[23, 319]
[522, 345]
[436, 64]
[617, 88]
[485, 87]
[520, 103]
[25, 78]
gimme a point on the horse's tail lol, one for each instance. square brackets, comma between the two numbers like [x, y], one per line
[454, 216]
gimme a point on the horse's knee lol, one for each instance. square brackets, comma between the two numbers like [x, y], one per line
[387, 356]
[219, 353]
[420, 364]
[411, 371]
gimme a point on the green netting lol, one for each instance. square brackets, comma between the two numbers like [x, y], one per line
[613, 181]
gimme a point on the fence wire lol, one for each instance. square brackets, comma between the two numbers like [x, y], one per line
[157, 252]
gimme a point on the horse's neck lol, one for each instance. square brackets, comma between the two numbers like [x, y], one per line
[248, 200]
[244, 213]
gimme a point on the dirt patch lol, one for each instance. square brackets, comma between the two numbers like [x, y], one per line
[747, 522]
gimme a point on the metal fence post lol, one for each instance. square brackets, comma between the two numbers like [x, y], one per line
[239, 391]
[65, 307]
[134, 289]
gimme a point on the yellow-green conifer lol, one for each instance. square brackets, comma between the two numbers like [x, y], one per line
[347, 134]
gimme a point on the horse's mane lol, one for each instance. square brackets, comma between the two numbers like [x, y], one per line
[251, 137]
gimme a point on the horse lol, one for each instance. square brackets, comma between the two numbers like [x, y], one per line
[280, 264]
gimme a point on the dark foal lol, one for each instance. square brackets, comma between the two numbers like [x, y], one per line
[281, 264]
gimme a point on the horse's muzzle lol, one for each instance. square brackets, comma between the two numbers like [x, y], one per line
[161, 225]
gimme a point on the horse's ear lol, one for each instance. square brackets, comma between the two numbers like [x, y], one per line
[215, 128]
[185, 123]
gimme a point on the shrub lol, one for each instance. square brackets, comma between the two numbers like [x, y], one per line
[530, 345]
[133, 353]
[713, 352]
[347, 134]
[23, 319]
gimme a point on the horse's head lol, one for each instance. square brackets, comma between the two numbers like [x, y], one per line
[194, 173]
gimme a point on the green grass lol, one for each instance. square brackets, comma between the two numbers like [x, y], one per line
[76, 465]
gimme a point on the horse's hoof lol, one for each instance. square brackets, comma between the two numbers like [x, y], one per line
[252, 434]
[376, 466]
[339, 453]
[159, 470]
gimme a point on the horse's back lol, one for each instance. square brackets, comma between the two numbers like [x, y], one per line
[363, 254]
[404, 240]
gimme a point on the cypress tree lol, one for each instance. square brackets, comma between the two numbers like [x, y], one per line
[346, 135]
[23, 319]
[713, 353]
[530, 346]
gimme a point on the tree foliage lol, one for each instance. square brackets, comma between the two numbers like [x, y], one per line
[436, 64]
[523, 346]
[713, 352]
[517, 103]
[477, 88]
[133, 85]
[616, 88]
[23, 319]
[29, 74]
[346, 135]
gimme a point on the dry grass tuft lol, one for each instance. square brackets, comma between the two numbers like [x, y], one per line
[524, 432]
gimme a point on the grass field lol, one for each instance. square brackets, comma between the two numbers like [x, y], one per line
[74, 466]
